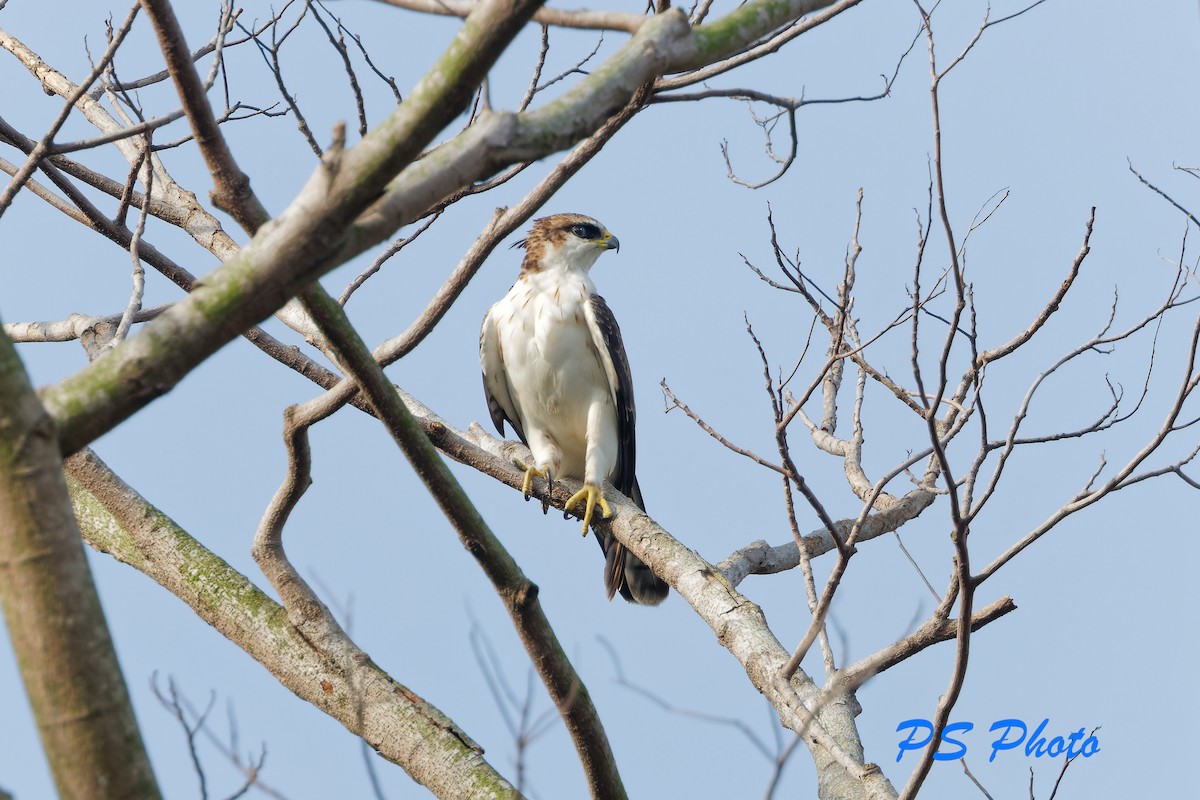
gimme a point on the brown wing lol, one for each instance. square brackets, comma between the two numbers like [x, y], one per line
[607, 336]
[624, 572]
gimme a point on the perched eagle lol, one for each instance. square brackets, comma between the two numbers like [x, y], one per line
[554, 367]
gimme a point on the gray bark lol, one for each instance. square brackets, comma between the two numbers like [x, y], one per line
[57, 627]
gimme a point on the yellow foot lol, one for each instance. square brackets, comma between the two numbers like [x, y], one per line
[592, 495]
[527, 484]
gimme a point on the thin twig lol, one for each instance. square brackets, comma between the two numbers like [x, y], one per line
[42, 148]
[390, 251]
[973, 779]
[139, 273]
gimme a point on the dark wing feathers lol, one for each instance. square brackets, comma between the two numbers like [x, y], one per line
[612, 351]
[623, 571]
[499, 416]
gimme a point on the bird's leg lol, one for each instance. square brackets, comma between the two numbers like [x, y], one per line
[527, 483]
[549, 491]
[593, 495]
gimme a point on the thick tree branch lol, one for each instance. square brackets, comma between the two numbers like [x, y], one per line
[287, 254]
[401, 726]
[730, 59]
[54, 618]
[582, 18]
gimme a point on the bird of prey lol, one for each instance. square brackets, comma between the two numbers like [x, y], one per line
[555, 369]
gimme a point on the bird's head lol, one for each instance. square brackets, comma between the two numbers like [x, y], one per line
[565, 241]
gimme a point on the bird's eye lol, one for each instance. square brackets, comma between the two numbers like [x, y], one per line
[586, 230]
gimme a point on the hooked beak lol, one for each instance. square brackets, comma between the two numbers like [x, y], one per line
[611, 242]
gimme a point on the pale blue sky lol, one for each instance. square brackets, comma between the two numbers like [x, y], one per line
[1048, 107]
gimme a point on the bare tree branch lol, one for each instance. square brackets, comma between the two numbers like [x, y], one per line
[592, 20]
[42, 148]
[289, 253]
[61, 640]
[231, 191]
[931, 632]
[790, 31]
[399, 724]
[518, 594]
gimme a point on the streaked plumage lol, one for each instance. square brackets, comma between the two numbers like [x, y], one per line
[555, 368]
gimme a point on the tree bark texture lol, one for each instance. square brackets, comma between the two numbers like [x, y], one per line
[57, 627]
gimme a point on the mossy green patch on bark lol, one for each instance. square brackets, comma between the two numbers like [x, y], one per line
[212, 581]
[726, 35]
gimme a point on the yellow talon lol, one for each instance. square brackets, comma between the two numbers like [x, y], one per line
[527, 483]
[592, 495]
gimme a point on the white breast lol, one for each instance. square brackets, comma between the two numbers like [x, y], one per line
[555, 373]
